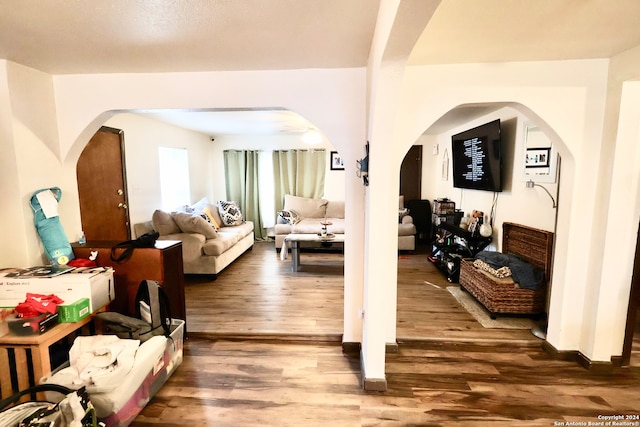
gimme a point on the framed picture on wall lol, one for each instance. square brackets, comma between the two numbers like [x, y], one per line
[337, 163]
[537, 158]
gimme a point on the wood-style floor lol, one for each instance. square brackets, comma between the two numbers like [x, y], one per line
[264, 350]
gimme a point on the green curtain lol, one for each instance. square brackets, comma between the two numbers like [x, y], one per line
[299, 173]
[242, 185]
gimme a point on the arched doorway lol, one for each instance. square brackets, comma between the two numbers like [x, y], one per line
[516, 120]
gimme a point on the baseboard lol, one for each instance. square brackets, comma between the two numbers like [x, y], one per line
[568, 355]
[351, 348]
[597, 367]
[356, 347]
[367, 384]
[617, 361]
[375, 384]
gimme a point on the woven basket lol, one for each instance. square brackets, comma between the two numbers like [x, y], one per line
[500, 296]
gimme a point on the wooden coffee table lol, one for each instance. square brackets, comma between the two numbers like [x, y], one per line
[295, 239]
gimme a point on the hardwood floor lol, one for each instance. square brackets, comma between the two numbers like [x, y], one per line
[258, 294]
[264, 349]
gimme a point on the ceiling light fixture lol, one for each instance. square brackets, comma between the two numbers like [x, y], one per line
[531, 184]
[312, 136]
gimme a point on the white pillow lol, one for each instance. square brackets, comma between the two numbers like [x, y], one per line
[230, 213]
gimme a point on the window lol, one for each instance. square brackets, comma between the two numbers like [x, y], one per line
[174, 177]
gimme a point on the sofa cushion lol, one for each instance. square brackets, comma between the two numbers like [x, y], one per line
[230, 213]
[194, 223]
[227, 237]
[311, 226]
[406, 229]
[290, 217]
[306, 207]
[335, 209]
[163, 223]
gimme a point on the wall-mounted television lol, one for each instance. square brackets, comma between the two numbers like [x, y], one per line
[477, 158]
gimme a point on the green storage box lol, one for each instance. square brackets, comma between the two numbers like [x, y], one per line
[75, 312]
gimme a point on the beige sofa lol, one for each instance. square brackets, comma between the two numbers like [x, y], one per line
[304, 215]
[205, 249]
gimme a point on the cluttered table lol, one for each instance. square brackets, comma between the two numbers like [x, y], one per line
[34, 349]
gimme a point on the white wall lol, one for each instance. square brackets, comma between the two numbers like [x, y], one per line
[142, 137]
[515, 203]
[14, 220]
[31, 148]
[619, 212]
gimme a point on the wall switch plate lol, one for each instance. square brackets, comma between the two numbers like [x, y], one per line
[434, 149]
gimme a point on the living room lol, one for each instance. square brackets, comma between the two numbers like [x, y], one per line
[585, 106]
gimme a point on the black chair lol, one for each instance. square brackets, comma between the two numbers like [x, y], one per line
[420, 211]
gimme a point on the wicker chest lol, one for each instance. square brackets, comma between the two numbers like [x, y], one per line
[501, 296]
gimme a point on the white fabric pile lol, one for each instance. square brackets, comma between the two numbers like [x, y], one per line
[99, 362]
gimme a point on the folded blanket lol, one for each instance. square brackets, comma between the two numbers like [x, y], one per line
[523, 273]
[500, 273]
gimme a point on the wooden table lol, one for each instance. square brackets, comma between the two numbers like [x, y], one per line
[295, 239]
[162, 263]
[38, 347]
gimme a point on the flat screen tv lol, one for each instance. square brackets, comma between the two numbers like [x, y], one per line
[477, 160]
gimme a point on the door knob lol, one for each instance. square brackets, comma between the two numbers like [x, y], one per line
[120, 192]
[122, 205]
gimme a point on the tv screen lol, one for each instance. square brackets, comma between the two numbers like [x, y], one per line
[476, 154]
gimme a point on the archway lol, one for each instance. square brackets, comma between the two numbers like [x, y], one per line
[436, 139]
[143, 170]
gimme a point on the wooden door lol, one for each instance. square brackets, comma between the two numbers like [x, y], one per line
[411, 174]
[102, 187]
[631, 347]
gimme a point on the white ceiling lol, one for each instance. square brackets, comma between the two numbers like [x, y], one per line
[130, 36]
[234, 122]
[107, 36]
[468, 31]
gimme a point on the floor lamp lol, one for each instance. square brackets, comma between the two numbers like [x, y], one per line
[540, 330]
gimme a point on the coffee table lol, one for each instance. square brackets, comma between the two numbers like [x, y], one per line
[295, 239]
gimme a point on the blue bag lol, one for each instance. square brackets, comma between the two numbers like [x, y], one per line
[54, 239]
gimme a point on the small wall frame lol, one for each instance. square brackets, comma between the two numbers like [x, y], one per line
[540, 159]
[336, 161]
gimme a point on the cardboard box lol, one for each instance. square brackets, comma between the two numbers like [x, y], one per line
[70, 313]
[96, 284]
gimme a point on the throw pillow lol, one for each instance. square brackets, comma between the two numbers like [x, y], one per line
[197, 207]
[290, 216]
[163, 223]
[211, 218]
[189, 223]
[230, 213]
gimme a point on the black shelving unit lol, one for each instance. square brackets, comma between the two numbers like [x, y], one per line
[448, 251]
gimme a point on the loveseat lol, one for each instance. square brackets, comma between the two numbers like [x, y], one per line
[212, 236]
[304, 215]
